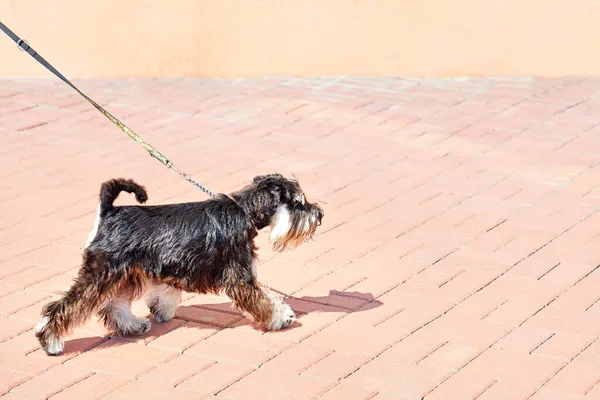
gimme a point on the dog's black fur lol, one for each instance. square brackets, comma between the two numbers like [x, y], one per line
[196, 247]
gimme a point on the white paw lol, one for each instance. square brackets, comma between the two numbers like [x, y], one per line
[283, 315]
[55, 345]
[163, 314]
[143, 326]
[51, 344]
[134, 327]
[160, 317]
[163, 301]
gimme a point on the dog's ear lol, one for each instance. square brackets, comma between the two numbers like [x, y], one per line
[262, 178]
[259, 179]
[277, 193]
[275, 184]
[282, 193]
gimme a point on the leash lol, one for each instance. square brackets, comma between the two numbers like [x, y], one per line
[24, 46]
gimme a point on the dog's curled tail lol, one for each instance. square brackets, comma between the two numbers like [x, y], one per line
[111, 189]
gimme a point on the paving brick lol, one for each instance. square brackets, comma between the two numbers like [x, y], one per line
[525, 370]
[58, 257]
[183, 337]
[30, 276]
[134, 359]
[458, 252]
[388, 396]
[7, 289]
[400, 379]
[562, 319]
[594, 392]
[56, 283]
[505, 390]
[19, 300]
[218, 351]
[327, 291]
[10, 327]
[248, 336]
[51, 381]
[11, 396]
[267, 383]
[580, 296]
[575, 377]
[151, 391]
[297, 358]
[33, 312]
[94, 326]
[215, 378]
[563, 345]
[96, 385]
[451, 356]
[336, 366]
[10, 378]
[514, 312]
[526, 339]
[176, 370]
[341, 337]
[345, 391]
[19, 248]
[288, 277]
[203, 315]
[24, 342]
[463, 384]
[547, 393]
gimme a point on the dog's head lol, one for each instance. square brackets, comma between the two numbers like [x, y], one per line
[280, 203]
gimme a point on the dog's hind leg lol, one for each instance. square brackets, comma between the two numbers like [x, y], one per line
[96, 282]
[162, 300]
[118, 318]
[265, 309]
[116, 311]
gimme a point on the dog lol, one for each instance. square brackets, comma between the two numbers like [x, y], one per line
[160, 251]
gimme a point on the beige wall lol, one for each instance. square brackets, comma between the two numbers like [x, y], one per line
[237, 38]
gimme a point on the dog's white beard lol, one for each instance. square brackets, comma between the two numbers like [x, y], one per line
[281, 224]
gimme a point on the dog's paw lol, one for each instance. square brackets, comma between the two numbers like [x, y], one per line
[162, 315]
[55, 345]
[51, 344]
[139, 326]
[283, 316]
[162, 300]
[143, 327]
[288, 316]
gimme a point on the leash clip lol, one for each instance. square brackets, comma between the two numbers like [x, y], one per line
[20, 44]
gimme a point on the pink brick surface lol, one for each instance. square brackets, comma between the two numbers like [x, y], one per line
[458, 257]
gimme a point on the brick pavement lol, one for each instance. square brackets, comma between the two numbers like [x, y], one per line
[458, 258]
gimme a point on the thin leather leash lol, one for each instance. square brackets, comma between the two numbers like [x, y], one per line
[24, 46]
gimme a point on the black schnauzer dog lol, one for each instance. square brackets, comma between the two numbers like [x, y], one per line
[201, 247]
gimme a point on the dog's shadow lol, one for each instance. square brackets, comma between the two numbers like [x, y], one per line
[336, 302]
[339, 302]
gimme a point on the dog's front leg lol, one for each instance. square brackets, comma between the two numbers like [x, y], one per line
[266, 309]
